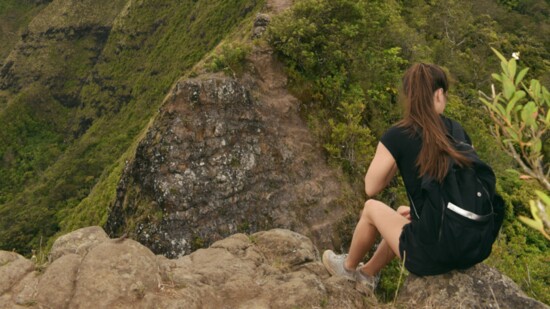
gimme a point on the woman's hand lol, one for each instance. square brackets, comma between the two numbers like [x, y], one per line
[405, 211]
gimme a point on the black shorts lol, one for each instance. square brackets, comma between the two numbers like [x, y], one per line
[417, 258]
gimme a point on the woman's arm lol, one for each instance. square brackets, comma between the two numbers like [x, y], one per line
[380, 172]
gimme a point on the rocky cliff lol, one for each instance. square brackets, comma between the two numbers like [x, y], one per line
[227, 155]
[270, 269]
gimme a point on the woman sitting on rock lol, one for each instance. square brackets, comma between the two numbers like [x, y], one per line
[418, 146]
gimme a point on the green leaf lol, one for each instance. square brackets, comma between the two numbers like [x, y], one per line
[535, 88]
[513, 134]
[517, 96]
[509, 88]
[497, 77]
[535, 211]
[512, 68]
[504, 66]
[484, 101]
[492, 106]
[537, 225]
[499, 55]
[537, 146]
[545, 198]
[545, 96]
[527, 114]
[501, 110]
[521, 75]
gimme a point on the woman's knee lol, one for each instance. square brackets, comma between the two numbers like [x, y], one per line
[370, 205]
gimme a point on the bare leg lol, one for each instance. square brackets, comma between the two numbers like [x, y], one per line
[376, 217]
[362, 241]
[381, 257]
[383, 254]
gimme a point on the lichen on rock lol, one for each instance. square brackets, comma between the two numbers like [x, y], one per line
[223, 156]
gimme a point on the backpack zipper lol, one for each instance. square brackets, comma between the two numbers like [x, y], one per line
[442, 219]
[488, 196]
[413, 207]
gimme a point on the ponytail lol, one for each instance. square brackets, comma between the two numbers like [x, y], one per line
[419, 85]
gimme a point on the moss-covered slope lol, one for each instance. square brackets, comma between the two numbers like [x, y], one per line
[82, 83]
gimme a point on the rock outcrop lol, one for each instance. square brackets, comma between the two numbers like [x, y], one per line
[270, 269]
[223, 156]
[478, 287]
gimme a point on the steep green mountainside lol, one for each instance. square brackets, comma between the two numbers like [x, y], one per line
[83, 82]
[14, 17]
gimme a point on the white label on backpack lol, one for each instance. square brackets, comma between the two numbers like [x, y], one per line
[464, 212]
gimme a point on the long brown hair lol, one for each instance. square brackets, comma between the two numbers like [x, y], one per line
[419, 85]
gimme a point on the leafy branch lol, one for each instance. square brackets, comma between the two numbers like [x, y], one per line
[521, 119]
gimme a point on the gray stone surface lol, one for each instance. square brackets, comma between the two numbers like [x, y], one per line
[225, 156]
[56, 285]
[13, 267]
[277, 268]
[78, 242]
[477, 287]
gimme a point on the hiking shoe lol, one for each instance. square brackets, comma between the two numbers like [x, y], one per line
[334, 263]
[364, 283]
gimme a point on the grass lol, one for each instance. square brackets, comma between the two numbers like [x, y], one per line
[401, 272]
[15, 15]
[148, 49]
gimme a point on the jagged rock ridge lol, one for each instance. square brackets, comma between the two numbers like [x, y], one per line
[227, 155]
[270, 269]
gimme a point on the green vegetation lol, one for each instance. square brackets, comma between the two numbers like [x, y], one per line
[521, 118]
[231, 60]
[14, 16]
[59, 172]
[345, 59]
[521, 122]
[334, 65]
[78, 100]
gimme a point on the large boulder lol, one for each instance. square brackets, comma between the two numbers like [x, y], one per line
[477, 287]
[224, 156]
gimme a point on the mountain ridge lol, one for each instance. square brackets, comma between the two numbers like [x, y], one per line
[276, 268]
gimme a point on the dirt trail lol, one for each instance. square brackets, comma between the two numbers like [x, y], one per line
[276, 6]
[280, 108]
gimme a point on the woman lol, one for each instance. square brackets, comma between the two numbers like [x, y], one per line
[417, 146]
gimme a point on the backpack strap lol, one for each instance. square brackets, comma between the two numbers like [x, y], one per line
[456, 132]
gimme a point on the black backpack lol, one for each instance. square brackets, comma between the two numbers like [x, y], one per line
[462, 215]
